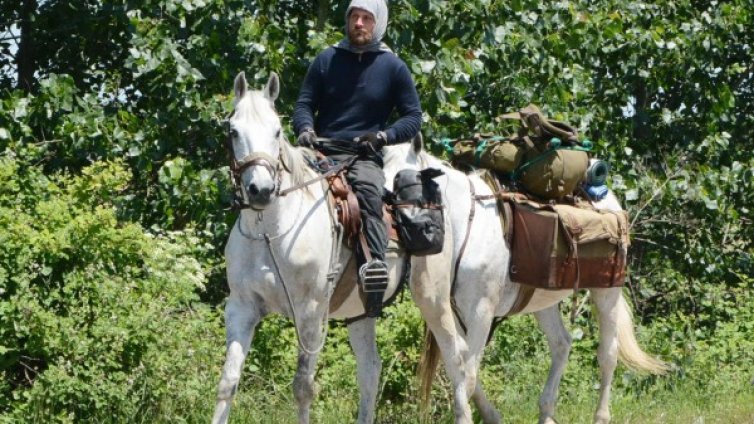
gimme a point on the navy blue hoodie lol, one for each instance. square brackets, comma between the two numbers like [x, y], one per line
[346, 94]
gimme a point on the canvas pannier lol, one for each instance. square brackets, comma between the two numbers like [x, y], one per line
[418, 211]
[567, 247]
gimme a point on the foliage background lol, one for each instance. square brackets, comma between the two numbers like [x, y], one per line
[112, 168]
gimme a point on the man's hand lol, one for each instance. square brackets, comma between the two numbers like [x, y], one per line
[371, 142]
[307, 138]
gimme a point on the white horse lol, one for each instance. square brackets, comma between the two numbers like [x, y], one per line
[284, 256]
[484, 291]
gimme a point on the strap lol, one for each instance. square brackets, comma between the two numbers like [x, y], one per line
[446, 144]
[324, 325]
[573, 246]
[503, 205]
[364, 246]
[332, 171]
[508, 221]
[478, 151]
[515, 174]
[620, 254]
[523, 297]
[421, 205]
[253, 159]
[513, 196]
[472, 211]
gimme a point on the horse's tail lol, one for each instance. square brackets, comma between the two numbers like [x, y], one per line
[427, 367]
[629, 351]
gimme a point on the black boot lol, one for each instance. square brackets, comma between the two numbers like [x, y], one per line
[373, 279]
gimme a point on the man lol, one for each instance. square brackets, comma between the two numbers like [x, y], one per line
[349, 93]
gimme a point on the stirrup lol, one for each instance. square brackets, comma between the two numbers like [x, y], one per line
[373, 276]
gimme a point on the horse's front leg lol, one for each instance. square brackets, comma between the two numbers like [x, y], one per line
[241, 318]
[430, 289]
[479, 323]
[551, 323]
[363, 340]
[311, 333]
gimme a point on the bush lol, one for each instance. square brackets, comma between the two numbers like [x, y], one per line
[86, 301]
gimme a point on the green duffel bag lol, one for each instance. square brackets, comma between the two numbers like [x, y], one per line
[545, 157]
[555, 160]
[554, 173]
[489, 152]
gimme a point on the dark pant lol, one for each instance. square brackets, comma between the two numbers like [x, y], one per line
[367, 181]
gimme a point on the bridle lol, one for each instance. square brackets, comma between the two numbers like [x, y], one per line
[273, 165]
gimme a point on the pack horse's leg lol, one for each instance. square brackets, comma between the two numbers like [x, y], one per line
[241, 318]
[606, 301]
[559, 340]
[362, 336]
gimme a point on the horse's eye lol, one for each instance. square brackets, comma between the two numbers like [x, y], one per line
[233, 133]
[277, 134]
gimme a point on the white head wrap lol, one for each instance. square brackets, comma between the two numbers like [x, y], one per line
[378, 9]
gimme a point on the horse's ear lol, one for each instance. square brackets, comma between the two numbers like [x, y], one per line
[418, 143]
[272, 89]
[240, 86]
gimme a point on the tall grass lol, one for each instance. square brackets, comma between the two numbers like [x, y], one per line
[514, 371]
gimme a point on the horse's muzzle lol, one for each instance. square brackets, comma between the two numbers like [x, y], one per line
[260, 197]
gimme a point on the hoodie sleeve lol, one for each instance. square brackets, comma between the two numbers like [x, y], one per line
[407, 105]
[308, 98]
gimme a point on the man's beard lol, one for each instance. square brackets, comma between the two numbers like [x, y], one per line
[359, 38]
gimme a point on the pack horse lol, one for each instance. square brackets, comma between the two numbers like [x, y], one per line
[462, 290]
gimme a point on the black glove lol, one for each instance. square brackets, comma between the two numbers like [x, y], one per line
[371, 142]
[307, 138]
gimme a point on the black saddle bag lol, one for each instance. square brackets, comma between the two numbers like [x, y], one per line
[418, 211]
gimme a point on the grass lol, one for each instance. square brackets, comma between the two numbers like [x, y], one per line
[712, 381]
[700, 391]
[667, 400]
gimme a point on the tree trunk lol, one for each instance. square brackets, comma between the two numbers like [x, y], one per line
[25, 62]
[322, 13]
[642, 130]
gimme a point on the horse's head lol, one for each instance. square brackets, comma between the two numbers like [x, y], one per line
[406, 156]
[255, 141]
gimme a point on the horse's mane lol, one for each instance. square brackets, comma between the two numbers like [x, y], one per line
[254, 106]
[296, 162]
